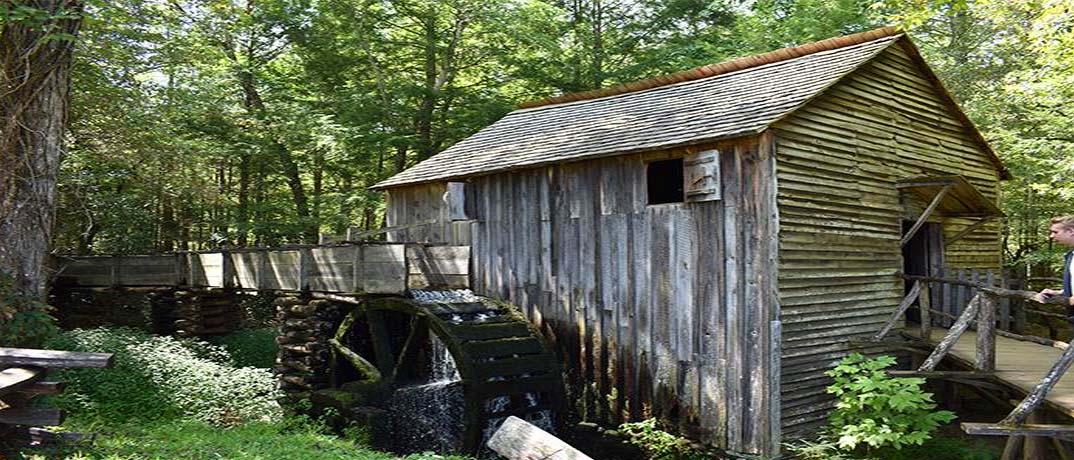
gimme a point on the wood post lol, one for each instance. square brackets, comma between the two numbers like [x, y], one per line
[986, 332]
[913, 295]
[925, 215]
[924, 303]
[953, 334]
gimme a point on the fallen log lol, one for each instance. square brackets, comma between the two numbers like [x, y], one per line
[517, 439]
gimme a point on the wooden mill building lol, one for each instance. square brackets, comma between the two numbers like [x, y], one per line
[702, 246]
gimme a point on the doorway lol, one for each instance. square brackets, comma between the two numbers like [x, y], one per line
[922, 256]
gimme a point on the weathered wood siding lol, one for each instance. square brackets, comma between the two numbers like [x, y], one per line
[354, 268]
[841, 216]
[665, 310]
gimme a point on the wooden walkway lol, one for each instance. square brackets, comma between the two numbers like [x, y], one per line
[1019, 365]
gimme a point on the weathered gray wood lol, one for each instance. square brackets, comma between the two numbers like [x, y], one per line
[43, 436]
[16, 378]
[960, 326]
[517, 439]
[702, 176]
[924, 309]
[54, 359]
[1000, 429]
[970, 229]
[1036, 397]
[925, 215]
[911, 297]
[986, 333]
[31, 416]
[455, 197]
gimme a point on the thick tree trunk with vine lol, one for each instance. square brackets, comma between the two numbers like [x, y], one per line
[36, 61]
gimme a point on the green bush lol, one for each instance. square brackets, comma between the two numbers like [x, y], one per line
[661, 445]
[939, 448]
[251, 347]
[877, 410]
[159, 378]
[25, 321]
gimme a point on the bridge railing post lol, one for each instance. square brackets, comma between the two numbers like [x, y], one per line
[986, 332]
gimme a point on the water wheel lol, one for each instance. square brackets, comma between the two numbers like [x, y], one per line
[389, 354]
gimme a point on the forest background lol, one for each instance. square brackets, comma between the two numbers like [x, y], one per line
[196, 123]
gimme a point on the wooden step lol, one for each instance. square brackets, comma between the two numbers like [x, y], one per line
[466, 333]
[502, 348]
[544, 362]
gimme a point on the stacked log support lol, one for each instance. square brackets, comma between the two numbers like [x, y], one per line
[305, 327]
[207, 312]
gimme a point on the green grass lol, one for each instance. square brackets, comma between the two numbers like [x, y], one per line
[193, 440]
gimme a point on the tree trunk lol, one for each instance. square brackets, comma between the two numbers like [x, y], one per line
[36, 63]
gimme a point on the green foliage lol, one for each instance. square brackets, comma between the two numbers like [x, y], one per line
[163, 378]
[251, 347]
[25, 321]
[937, 448]
[286, 439]
[877, 410]
[661, 445]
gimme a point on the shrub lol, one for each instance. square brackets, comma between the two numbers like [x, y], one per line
[25, 321]
[877, 410]
[661, 445]
[251, 347]
[163, 377]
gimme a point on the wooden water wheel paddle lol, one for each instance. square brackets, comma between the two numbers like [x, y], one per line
[504, 367]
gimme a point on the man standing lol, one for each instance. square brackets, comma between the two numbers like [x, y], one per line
[1062, 232]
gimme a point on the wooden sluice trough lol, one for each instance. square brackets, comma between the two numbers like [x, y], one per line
[387, 334]
[360, 268]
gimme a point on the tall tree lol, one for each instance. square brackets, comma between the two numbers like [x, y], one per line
[36, 43]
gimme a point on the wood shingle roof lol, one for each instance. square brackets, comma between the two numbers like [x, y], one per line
[737, 98]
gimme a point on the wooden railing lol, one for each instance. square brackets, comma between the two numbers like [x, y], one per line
[22, 380]
[981, 311]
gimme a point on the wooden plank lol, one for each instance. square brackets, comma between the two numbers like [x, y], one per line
[1065, 432]
[960, 326]
[15, 378]
[31, 416]
[54, 359]
[986, 333]
[911, 297]
[734, 307]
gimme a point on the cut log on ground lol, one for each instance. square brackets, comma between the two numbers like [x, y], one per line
[519, 440]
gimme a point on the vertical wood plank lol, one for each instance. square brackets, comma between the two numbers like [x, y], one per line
[731, 167]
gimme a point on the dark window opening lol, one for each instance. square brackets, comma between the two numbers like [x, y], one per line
[664, 181]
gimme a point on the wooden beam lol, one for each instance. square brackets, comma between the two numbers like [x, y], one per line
[925, 215]
[54, 359]
[986, 333]
[14, 378]
[970, 229]
[1065, 432]
[943, 374]
[953, 334]
[517, 439]
[31, 416]
[914, 293]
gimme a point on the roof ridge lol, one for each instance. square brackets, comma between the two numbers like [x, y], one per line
[720, 68]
